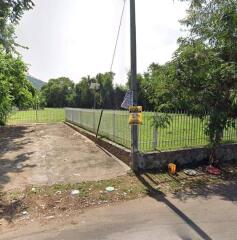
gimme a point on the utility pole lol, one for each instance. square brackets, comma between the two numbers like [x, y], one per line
[134, 127]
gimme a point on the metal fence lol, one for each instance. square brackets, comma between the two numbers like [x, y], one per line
[114, 124]
[184, 131]
[46, 115]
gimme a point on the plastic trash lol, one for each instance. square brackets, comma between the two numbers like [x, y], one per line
[172, 168]
[75, 192]
[49, 217]
[19, 166]
[33, 190]
[110, 189]
[214, 171]
[190, 172]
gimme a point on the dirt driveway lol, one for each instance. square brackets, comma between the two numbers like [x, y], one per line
[48, 154]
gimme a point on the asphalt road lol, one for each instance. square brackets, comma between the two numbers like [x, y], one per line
[160, 217]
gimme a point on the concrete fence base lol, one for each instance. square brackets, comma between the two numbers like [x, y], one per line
[184, 157]
[160, 160]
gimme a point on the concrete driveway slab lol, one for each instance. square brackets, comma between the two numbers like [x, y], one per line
[49, 154]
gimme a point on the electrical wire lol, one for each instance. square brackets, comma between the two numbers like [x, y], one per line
[113, 57]
[118, 34]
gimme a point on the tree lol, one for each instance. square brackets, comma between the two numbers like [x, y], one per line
[59, 92]
[11, 12]
[84, 96]
[104, 96]
[119, 93]
[206, 64]
[157, 86]
[105, 81]
[15, 89]
[141, 91]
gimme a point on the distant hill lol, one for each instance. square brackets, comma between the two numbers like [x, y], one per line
[38, 84]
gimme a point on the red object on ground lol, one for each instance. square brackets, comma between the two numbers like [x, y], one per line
[213, 170]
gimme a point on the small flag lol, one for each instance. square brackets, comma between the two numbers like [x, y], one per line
[128, 100]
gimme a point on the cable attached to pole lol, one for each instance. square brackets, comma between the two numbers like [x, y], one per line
[118, 34]
[113, 57]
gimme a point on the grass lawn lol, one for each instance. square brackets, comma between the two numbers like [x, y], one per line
[183, 132]
[47, 115]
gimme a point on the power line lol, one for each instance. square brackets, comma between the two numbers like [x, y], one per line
[112, 63]
[118, 34]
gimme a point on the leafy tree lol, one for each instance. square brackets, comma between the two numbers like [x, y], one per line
[59, 92]
[11, 12]
[15, 90]
[157, 86]
[106, 89]
[84, 96]
[141, 91]
[206, 64]
[103, 96]
[119, 93]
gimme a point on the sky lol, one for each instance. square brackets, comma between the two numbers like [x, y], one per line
[76, 38]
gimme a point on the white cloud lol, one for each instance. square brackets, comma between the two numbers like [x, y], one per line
[75, 38]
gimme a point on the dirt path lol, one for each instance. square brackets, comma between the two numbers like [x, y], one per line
[48, 154]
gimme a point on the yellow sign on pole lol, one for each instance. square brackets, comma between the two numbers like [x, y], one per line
[135, 115]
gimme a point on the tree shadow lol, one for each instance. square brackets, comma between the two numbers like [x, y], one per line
[12, 139]
[9, 134]
[161, 197]
[226, 190]
[203, 185]
[13, 166]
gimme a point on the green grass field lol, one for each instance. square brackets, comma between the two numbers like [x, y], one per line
[47, 115]
[183, 132]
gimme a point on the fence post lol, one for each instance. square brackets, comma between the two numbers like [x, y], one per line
[93, 120]
[113, 125]
[36, 112]
[81, 118]
[155, 138]
[73, 115]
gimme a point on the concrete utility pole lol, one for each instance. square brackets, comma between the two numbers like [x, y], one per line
[134, 127]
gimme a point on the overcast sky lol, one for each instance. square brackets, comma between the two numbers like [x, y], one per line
[75, 38]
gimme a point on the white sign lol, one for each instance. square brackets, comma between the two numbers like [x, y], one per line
[128, 100]
[95, 86]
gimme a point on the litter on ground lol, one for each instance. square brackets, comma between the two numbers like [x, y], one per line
[110, 189]
[75, 192]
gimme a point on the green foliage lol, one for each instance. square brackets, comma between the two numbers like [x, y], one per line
[106, 89]
[59, 92]
[202, 77]
[84, 96]
[142, 96]
[119, 93]
[15, 90]
[10, 14]
[106, 96]
[157, 89]
[157, 86]
[206, 64]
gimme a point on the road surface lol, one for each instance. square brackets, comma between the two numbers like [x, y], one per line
[159, 217]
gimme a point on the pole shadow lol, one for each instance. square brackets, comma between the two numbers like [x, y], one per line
[160, 197]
